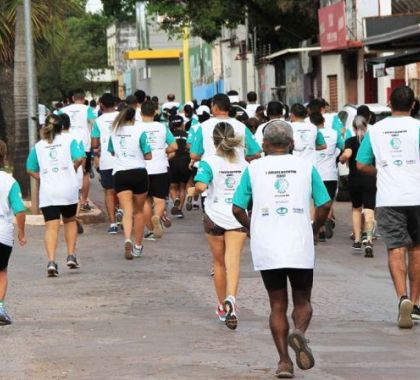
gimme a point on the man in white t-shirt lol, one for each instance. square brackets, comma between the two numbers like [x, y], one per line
[251, 107]
[171, 103]
[394, 145]
[281, 186]
[274, 112]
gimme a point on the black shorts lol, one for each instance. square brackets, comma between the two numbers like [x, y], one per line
[134, 180]
[213, 229]
[362, 192]
[5, 252]
[194, 172]
[88, 164]
[399, 226]
[107, 180]
[276, 279]
[159, 185]
[56, 212]
[331, 188]
[179, 171]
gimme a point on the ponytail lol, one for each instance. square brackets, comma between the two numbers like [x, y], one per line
[126, 115]
[52, 127]
[225, 141]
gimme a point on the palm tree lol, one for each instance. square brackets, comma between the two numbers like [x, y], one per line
[13, 73]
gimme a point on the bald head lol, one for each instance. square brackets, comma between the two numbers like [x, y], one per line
[278, 134]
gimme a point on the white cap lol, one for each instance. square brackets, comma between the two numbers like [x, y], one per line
[202, 109]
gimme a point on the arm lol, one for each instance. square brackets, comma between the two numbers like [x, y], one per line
[171, 142]
[322, 201]
[77, 154]
[241, 216]
[197, 147]
[32, 164]
[96, 136]
[172, 148]
[252, 148]
[320, 143]
[346, 155]
[365, 157]
[144, 147]
[203, 178]
[241, 199]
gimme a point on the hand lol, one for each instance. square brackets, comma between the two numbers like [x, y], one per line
[22, 239]
[191, 165]
[191, 191]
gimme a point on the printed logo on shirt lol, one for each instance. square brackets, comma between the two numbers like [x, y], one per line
[265, 212]
[282, 211]
[229, 201]
[53, 154]
[281, 185]
[304, 137]
[230, 182]
[410, 162]
[55, 170]
[123, 142]
[298, 210]
[397, 162]
[395, 143]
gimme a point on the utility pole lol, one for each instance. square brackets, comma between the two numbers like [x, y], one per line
[245, 58]
[186, 56]
[32, 98]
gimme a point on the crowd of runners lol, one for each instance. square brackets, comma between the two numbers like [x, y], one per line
[268, 172]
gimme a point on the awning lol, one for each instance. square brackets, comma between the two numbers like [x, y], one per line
[408, 37]
[153, 54]
[292, 50]
[401, 59]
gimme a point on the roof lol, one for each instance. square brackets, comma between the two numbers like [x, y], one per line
[153, 54]
[402, 59]
[292, 50]
[399, 39]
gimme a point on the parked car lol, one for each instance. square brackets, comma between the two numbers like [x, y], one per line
[347, 115]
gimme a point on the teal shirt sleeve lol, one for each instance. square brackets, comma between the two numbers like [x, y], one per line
[32, 164]
[337, 124]
[91, 114]
[144, 144]
[197, 146]
[204, 173]
[320, 140]
[251, 146]
[243, 193]
[15, 199]
[170, 139]
[111, 146]
[76, 152]
[96, 133]
[365, 154]
[319, 191]
[191, 136]
[340, 141]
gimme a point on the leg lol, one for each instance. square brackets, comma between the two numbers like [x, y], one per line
[234, 242]
[357, 224]
[369, 223]
[398, 269]
[217, 247]
[182, 194]
[160, 206]
[3, 284]
[51, 238]
[302, 308]
[139, 202]
[110, 204]
[148, 213]
[414, 273]
[125, 199]
[85, 188]
[173, 191]
[70, 234]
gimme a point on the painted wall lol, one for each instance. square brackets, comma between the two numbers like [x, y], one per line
[294, 80]
[332, 65]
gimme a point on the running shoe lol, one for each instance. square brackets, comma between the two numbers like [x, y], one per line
[321, 237]
[285, 371]
[85, 207]
[364, 238]
[52, 269]
[221, 313]
[128, 250]
[166, 221]
[212, 272]
[352, 236]
[189, 203]
[357, 246]
[231, 315]
[195, 207]
[119, 215]
[112, 230]
[157, 227]
[329, 228]
[415, 314]
[175, 209]
[299, 344]
[149, 236]
[179, 215]
[72, 262]
[4, 317]
[80, 228]
[92, 174]
[368, 249]
[137, 252]
[405, 308]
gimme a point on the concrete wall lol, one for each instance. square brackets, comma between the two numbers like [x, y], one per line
[332, 65]
[166, 79]
[294, 80]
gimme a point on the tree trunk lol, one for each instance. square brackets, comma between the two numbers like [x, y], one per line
[7, 116]
[21, 106]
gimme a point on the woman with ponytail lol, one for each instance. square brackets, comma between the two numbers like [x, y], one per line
[54, 161]
[219, 175]
[362, 190]
[128, 143]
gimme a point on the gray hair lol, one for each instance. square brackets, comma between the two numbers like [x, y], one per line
[278, 133]
[360, 126]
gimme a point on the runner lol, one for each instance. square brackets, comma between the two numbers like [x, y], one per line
[179, 170]
[219, 175]
[81, 118]
[274, 112]
[326, 165]
[101, 133]
[171, 103]
[54, 161]
[393, 143]
[282, 243]
[306, 136]
[362, 189]
[252, 105]
[162, 143]
[10, 204]
[128, 143]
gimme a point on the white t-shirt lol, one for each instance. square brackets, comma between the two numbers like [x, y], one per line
[74, 135]
[326, 159]
[58, 179]
[304, 137]
[6, 213]
[259, 133]
[251, 109]
[104, 124]
[170, 105]
[78, 114]
[395, 144]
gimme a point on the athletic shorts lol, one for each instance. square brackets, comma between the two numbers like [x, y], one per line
[179, 171]
[107, 180]
[134, 180]
[159, 185]
[331, 188]
[88, 164]
[5, 252]
[56, 212]
[276, 279]
[362, 192]
[213, 229]
[399, 226]
[194, 172]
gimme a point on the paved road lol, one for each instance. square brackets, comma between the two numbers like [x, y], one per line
[152, 318]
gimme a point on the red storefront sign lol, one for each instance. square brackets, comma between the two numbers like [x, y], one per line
[332, 27]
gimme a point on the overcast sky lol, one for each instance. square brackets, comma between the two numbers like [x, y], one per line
[94, 6]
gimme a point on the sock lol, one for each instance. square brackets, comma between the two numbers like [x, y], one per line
[113, 225]
[139, 246]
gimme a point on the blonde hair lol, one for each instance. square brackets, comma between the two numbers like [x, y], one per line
[52, 127]
[127, 114]
[3, 153]
[226, 142]
[360, 127]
